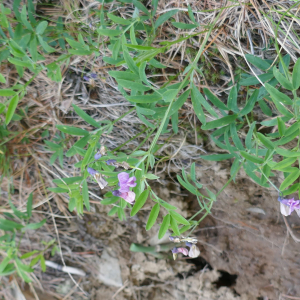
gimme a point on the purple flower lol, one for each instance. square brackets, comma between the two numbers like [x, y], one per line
[92, 171]
[175, 251]
[93, 75]
[287, 206]
[110, 162]
[125, 182]
[97, 155]
[116, 193]
[127, 196]
[87, 78]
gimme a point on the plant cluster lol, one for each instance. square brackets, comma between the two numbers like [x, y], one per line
[132, 51]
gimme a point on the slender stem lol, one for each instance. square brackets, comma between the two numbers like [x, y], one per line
[137, 135]
[124, 115]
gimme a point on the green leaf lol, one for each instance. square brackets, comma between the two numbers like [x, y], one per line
[281, 108]
[41, 27]
[140, 6]
[234, 168]
[85, 116]
[85, 195]
[214, 99]
[7, 93]
[296, 75]
[72, 130]
[16, 212]
[180, 219]
[181, 25]
[294, 188]
[252, 80]
[8, 225]
[265, 108]
[57, 190]
[235, 137]
[128, 59]
[28, 254]
[34, 226]
[187, 185]
[141, 48]
[113, 211]
[127, 75]
[219, 122]
[166, 205]
[250, 104]
[79, 144]
[258, 62]
[46, 47]
[119, 20]
[252, 158]
[198, 97]
[232, 99]
[249, 136]
[289, 180]
[197, 106]
[284, 163]
[139, 202]
[174, 226]
[11, 108]
[164, 226]
[29, 206]
[2, 79]
[16, 49]
[109, 32]
[217, 157]
[281, 126]
[280, 97]
[144, 98]
[4, 263]
[33, 49]
[72, 204]
[178, 103]
[163, 18]
[282, 79]
[24, 18]
[133, 85]
[19, 62]
[265, 141]
[16, 5]
[67, 180]
[153, 216]
[43, 263]
[287, 153]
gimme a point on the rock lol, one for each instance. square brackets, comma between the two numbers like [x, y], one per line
[110, 272]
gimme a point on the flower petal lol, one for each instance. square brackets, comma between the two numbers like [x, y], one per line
[123, 178]
[284, 209]
[92, 171]
[124, 188]
[194, 252]
[97, 155]
[128, 197]
[184, 251]
[131, 181]
[116, 193]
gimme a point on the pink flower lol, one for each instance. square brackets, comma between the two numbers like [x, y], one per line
[125, 182]
[287, 206]
[127, 196]
[175, 251]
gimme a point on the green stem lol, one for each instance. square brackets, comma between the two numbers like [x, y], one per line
[131, 140]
